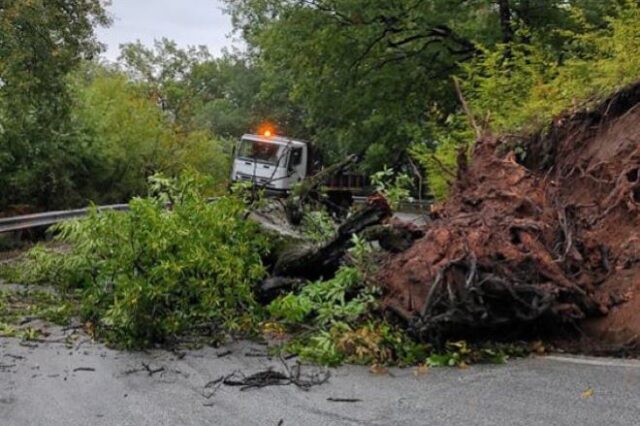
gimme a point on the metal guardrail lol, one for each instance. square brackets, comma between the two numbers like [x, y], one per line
[404, 206]
[18, 223]
[426, 203]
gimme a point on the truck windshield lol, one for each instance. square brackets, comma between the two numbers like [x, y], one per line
[260, 151]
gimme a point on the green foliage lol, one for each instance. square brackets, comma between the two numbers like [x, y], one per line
[360, 255]
[378, 342]
[30, 334]
[521, 86]
[462, 354]
[130, 138]
[73, 131]
[440, 157]
[46, 265]
[45, 304]
[219, 95]
[152, 273]
[164, 73]
[41, 43]
[372, 342]
[326, 310]
[335, 319]
[324, 302]
[363, 73]
[318, 226]
[368, 75]
[395, 187]
[7, 330]
[321, 347]
[126, 134]
[374, 77]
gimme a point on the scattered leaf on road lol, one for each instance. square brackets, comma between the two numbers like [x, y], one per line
[421, 370]
[588, 393]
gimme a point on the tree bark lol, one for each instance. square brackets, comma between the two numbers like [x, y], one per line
[295, 203]
[316, 261]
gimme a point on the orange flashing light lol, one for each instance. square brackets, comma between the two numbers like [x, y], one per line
[267, 130]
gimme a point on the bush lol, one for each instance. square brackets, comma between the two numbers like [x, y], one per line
[129, 138]
[521, 86]
[325, 302]
[333, 321]
[154, 273]
[396, 188]
[439, 158]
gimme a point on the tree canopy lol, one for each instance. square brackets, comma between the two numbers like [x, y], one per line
[41, 43]
[367, 77]
[372, 76]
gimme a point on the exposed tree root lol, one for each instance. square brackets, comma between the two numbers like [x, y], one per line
[522, 245]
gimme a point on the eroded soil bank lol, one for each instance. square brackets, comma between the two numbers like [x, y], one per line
[550, 240]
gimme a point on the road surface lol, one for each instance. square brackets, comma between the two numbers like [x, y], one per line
[84, 383]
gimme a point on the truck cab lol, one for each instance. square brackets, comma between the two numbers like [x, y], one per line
[276, 163]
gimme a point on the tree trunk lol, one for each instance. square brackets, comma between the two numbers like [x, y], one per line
[295, 203]
[316, 261]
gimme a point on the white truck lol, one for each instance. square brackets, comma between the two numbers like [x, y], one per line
[276, 163]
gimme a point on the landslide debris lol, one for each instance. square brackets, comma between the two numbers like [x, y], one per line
[551, 240]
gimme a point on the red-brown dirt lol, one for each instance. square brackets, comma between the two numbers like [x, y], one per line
[554, 239]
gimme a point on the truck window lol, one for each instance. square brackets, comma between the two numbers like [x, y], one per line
[260, 151]
[296, 157]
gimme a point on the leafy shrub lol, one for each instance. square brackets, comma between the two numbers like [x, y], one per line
[395, 187]
[318, 226]
[378, 342]
[366, 342]
[440, 157]
[153, 273]
[521, 86]
[325, 302]
[332, 320]
[16, 305]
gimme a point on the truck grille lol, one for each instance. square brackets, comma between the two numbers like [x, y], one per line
[259, 180]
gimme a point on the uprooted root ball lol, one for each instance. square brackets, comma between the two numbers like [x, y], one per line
[513, 245]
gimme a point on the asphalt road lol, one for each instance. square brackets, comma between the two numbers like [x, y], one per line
[87, 384]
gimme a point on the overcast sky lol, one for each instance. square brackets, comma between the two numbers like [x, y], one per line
[188, 22]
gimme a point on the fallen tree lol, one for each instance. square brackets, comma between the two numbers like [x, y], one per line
[550, 241]
[296, 258]
[309, 191]
[322, 260]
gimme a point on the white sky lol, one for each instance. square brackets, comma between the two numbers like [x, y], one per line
[188, 22]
